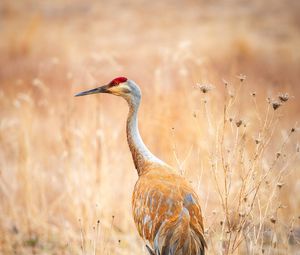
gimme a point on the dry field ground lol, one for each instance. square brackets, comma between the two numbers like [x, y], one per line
[66, 174]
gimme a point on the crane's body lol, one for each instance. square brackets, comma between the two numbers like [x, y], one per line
[166, 212]
[166, 209]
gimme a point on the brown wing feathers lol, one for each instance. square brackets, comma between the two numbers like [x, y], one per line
[167, 213]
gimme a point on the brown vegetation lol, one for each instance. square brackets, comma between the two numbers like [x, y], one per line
[220, 82]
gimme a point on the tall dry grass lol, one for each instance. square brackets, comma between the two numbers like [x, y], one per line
[66, 174]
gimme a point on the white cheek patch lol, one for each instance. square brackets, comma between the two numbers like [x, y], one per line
[125, 88]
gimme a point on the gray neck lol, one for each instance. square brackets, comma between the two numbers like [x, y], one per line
[140, 153]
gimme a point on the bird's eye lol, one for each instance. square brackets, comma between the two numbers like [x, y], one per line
[113, 84]
[126, 90]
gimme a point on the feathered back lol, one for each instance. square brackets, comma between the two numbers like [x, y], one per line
[167, 213]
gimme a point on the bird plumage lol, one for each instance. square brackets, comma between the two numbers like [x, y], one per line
[165, 207]
[167, 212]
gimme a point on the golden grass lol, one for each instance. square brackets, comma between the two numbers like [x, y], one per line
[66, 174]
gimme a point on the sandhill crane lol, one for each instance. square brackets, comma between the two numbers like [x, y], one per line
[165, 207]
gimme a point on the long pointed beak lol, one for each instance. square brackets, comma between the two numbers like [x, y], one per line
[103, 89]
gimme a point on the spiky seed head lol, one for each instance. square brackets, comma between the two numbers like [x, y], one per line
[241, 77]
[280, 184]
[242, 214]
[257, 140]
[281, 206]
[225, 82]
[284, 97]
[276, 105]
[204, 87]
[273, 219]
[238, 123]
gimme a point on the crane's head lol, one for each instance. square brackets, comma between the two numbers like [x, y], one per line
[119, 86]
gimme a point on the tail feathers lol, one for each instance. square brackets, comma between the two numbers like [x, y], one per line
[178, 238]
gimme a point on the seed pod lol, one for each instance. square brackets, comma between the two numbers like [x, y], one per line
[276, 105]
[284, 97]
[241, 77]
[280, 184]
[273, 219]
[238, 123]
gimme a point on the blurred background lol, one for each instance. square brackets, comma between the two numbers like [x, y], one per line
[66, 174]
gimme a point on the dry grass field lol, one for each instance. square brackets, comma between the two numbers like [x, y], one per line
[221, 101]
